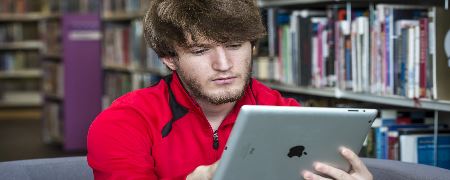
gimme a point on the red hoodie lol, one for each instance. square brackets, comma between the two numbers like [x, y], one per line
[160, 132]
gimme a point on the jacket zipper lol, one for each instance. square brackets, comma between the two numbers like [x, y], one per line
[215, 140]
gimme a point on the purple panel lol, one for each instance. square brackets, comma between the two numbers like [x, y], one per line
[82, 76]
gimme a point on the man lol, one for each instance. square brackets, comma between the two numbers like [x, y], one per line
[177, 129]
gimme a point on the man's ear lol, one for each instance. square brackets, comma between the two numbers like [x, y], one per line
[170, 62]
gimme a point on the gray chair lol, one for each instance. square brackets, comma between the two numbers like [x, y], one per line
[67, 168]
[388, 169]
[76, 168]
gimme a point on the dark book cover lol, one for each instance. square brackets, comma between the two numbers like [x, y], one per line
[305, 51]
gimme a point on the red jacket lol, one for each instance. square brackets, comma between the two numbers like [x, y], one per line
[160, 132]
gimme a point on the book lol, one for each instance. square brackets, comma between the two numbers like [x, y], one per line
[52, 37]
[419, 148]
[110, 7]
[53, 79]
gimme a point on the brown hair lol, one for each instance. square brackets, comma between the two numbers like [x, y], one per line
[173, 22]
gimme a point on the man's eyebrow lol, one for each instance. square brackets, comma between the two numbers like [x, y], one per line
[200, 45]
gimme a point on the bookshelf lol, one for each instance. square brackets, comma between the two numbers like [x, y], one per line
[22, 45]
[385, 53]
[27, 17]
[433, 105]
[32, 74]
[287, 3]
[70, 64]
[128, 64]
[20, 63]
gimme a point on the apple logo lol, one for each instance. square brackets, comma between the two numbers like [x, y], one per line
[297, 151]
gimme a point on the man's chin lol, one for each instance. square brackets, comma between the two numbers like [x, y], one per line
[224, 96]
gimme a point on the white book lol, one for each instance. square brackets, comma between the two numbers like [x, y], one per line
[354, 56]
[314, 61]
[364, 24]
[432, 52]
[416, 61]
[408, 148]
[325, 55]
[410, 63]
[390, 23]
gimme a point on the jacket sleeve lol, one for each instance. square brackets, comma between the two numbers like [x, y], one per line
[119, 146]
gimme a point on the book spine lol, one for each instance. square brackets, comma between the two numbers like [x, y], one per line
[423, 56]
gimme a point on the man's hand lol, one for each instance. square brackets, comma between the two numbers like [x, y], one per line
[359, 171]
[203, 172]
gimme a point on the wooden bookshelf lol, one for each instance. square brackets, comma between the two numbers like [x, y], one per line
[36, 16]
[333, 69]
[21, 113]
[272, 3]
[399, 101]
[23, 45]
[21, 99]
[21, 74]
[437, 91]
[20, 105]
[278, 3]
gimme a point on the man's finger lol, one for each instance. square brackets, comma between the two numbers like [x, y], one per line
[311, 176]
[331, 171]
[353, 159]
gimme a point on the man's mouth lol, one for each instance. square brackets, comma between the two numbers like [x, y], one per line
[224, 80]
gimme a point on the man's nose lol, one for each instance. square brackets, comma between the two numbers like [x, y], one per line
[221, 61]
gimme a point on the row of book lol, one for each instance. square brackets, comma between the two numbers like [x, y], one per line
[19, 31]
[10, 85]
[53, 78]
[19, 60]
[52, 37]
[123, 6]
[19, 6]
[80, 6]
[124, 46]
[119, 47]
[402, 51]
[409, 137]
[117, 84]
[385, 51]
[54, 6]
[51, 6]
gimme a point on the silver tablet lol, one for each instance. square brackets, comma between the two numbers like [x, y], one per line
[278, 142]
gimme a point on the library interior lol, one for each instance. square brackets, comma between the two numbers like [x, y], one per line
[64, 61]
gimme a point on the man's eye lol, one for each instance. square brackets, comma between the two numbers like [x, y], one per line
[199, 51]
[234, 46]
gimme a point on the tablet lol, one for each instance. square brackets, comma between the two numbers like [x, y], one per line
[278, 142]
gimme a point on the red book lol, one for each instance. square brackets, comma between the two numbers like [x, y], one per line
[342, 14]
[423, 23]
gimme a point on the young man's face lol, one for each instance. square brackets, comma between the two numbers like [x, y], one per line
[216, 73]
